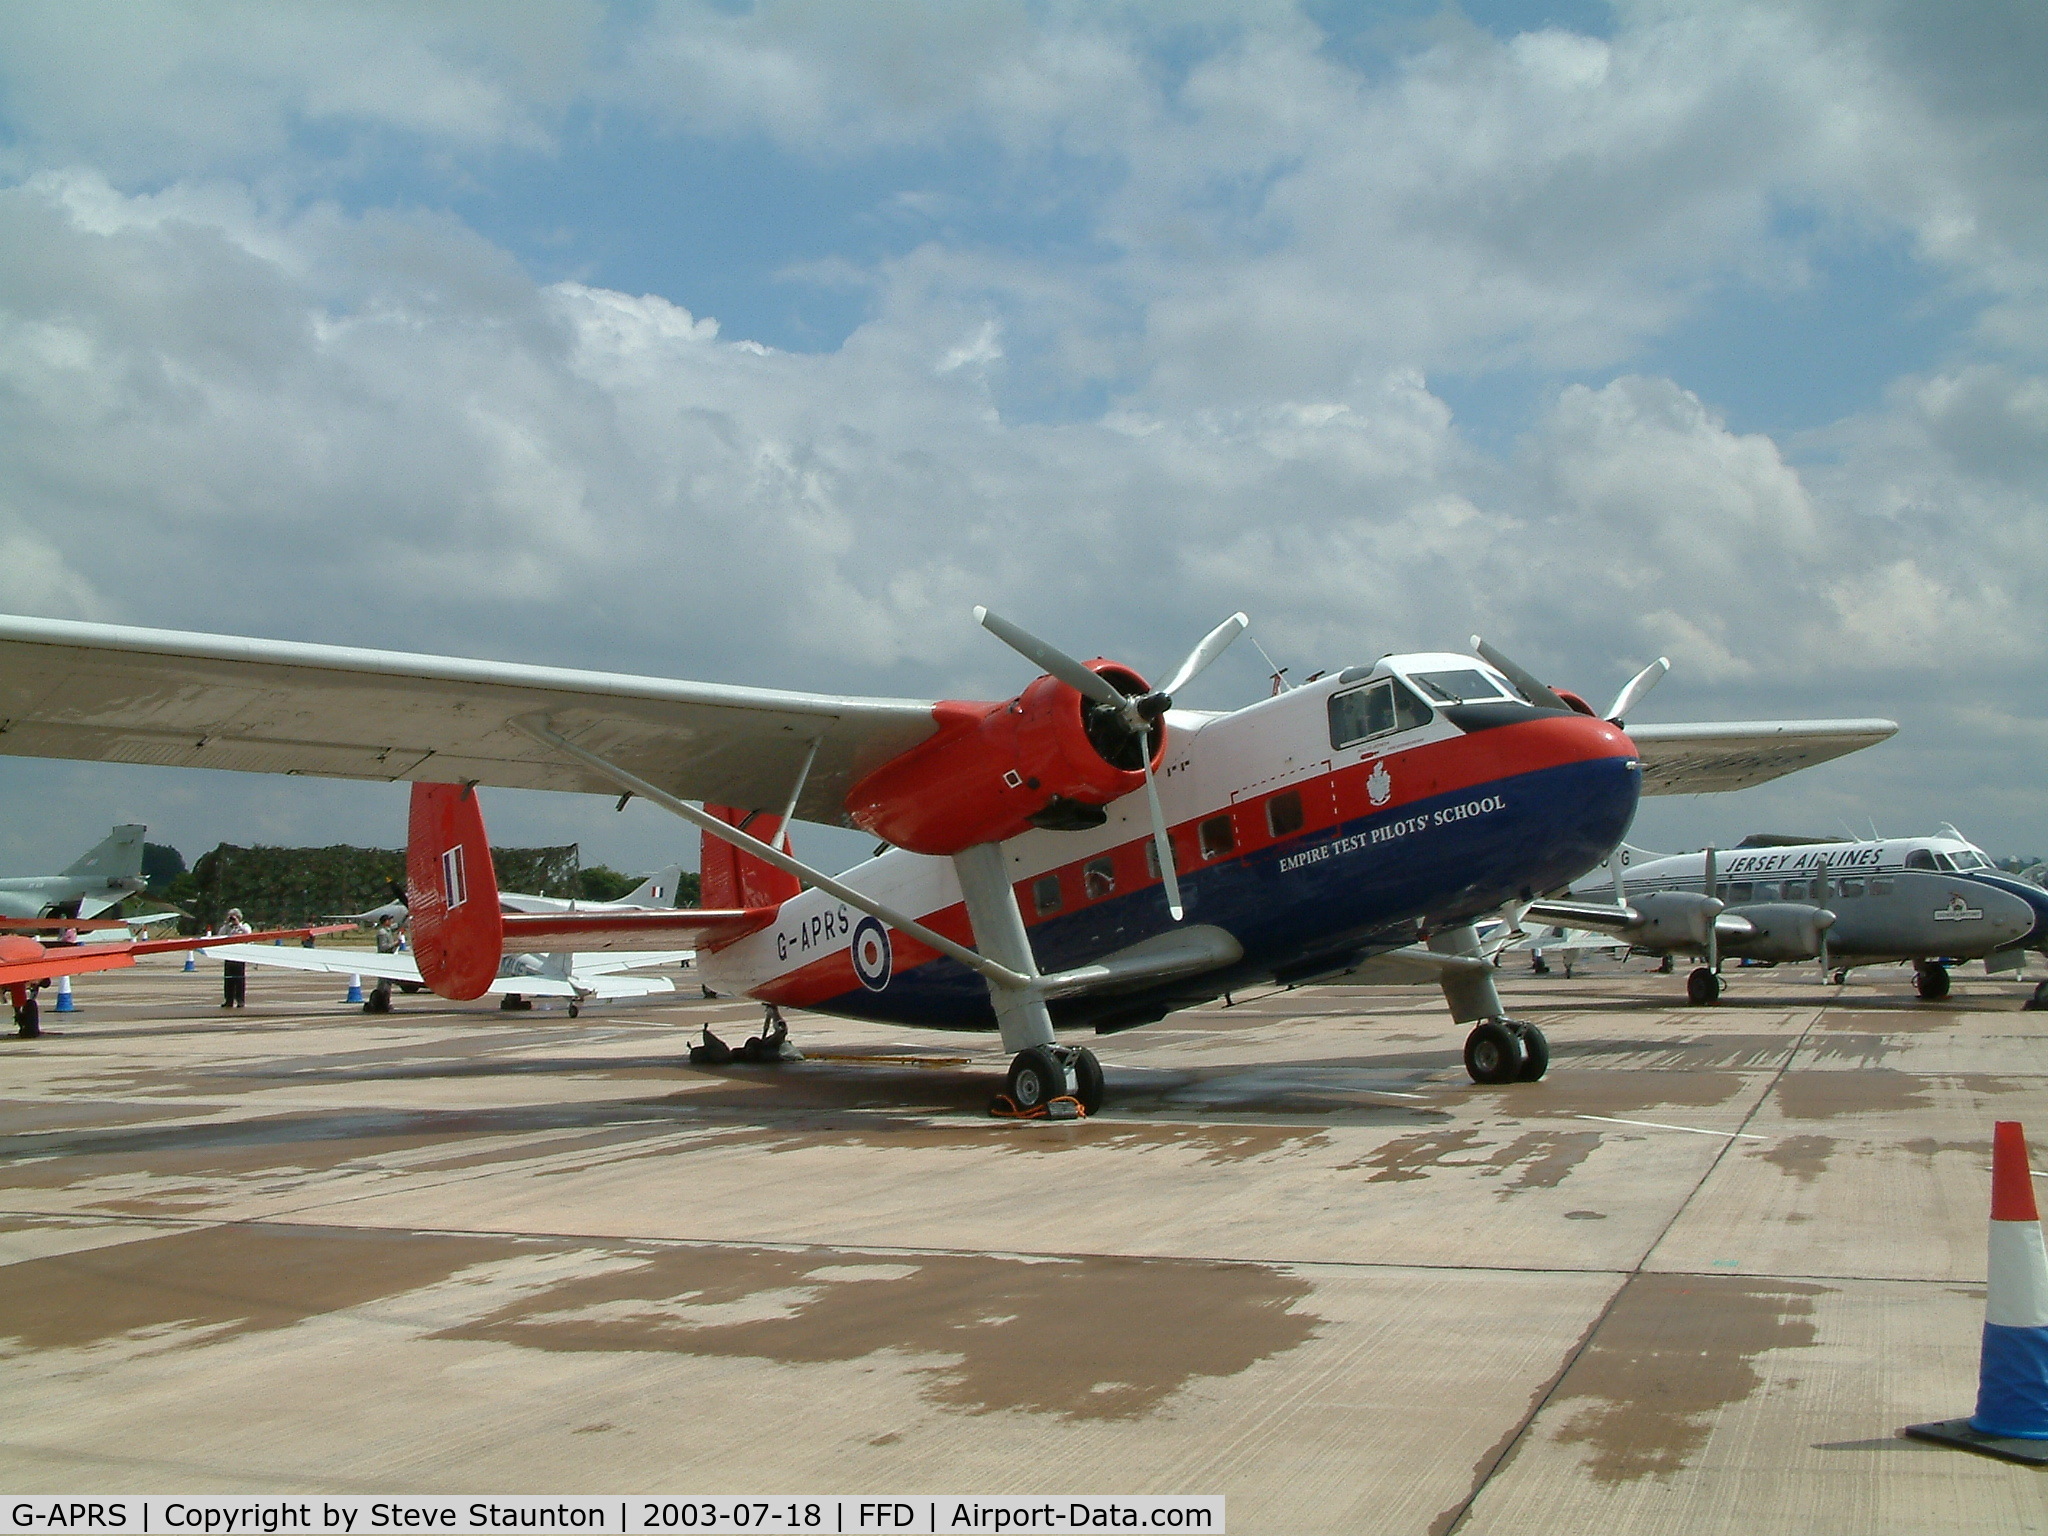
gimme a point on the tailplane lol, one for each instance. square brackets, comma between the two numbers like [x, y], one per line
[734, 879]
[458, 932]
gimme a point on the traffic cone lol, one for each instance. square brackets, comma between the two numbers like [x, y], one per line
[355, 990]
[64, 1003]
[190, 963]
[2011, 1420]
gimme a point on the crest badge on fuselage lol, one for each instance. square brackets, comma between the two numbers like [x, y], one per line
[872, 961]
[1379, 784]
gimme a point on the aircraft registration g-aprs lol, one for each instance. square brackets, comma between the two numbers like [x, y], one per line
[1042, 869]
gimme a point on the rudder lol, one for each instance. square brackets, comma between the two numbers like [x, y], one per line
[733, 879]
[458, 932]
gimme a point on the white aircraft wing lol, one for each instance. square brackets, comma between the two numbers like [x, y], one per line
[600, 981]
[1703, 758]
[110, 693]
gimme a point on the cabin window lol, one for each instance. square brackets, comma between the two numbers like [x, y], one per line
[1850, 888]
[1218, 837]
[1045, 894]
[1736, 891]
[1098, 877]
[1881, 886]
[1283, 813]
[1919, 858]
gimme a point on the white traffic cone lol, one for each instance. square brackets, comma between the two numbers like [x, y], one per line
[2011, 1420]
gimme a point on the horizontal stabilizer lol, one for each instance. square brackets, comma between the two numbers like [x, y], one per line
[553, 932]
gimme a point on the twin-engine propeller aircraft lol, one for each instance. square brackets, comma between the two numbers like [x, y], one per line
[1083, 854]
[111, 872]
[1930, 900]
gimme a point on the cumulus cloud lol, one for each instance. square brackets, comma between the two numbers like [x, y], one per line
[233, 397]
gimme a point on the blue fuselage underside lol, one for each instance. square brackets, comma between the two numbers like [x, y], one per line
[1358, 898]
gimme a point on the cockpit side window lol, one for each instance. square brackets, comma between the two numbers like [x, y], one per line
[1377, 709]
[1919, 858]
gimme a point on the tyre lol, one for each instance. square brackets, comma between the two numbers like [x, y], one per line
[1931, 982]
[1087, 1080]
[1036, 1077]
[28, 1020]
[1493, 1054]
[412, 986]
[1535, 1052]
[1702, 987]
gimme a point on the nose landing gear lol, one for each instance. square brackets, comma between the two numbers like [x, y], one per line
[1930, 980]
[1703, 987]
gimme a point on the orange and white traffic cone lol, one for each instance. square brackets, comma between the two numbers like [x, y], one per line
[2011, 1420]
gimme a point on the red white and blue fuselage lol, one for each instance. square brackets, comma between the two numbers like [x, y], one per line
[1312, 837]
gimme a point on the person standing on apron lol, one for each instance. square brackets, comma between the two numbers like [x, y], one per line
[234, 974]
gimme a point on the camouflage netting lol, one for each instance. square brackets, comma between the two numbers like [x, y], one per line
[281, 887]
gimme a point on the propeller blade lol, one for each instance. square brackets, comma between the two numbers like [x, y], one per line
[1056, 662]
[1535, 692]
[1162, 843]
[1637, 688]
[1214, 644]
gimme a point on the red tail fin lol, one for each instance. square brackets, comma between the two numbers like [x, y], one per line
[458, 935]
[736, 879]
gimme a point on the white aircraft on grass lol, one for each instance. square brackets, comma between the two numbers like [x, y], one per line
[1082, 854]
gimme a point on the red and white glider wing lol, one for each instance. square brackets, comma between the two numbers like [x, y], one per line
[115, 694]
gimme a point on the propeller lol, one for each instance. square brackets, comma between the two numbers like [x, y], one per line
[1637, 689]
[1632, 693]
[1137, 713]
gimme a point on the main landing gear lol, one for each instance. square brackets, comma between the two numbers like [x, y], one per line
[1046, 1073]
[1703, 986]
[1930, 980]
[28, 1015]
[1506, 1051]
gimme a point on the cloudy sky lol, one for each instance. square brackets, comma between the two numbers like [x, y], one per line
[757, 343]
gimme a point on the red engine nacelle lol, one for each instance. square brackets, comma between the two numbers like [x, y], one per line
[996, 770]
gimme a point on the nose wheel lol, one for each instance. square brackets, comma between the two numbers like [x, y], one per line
[1703, 987]
[1506, 1051]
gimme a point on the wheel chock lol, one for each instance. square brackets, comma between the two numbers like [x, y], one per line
[1065, 1107]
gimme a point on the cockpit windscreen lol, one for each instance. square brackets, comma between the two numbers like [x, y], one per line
[1469, 686]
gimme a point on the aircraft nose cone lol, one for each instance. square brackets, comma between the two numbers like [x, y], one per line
[2010, 918]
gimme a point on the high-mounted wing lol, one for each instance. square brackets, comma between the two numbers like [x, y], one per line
[1699, 759]
[116, 694]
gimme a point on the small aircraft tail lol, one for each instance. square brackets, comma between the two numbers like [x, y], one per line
[119, 856]
[657, 890]
[736, 879]
[458, 932]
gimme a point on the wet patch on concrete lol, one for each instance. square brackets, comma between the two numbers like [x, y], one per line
[1537, 1159]
[1804, 1158]
[205, 1285]
[1087, 1338]
[1824, 1095]
[1619, 1093]
[1671, 1353]
[1905, 1020]
[1691, 1053]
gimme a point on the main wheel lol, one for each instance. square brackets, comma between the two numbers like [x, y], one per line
[412, 986]
[28, 1020]
[1702, 987]
[1036, 1077]
[1492, 1053]
[1841, 978]
[1535, 1051]
[1931, 982]
[1087, 1080]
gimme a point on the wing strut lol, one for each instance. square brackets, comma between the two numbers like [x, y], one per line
[999, 975]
